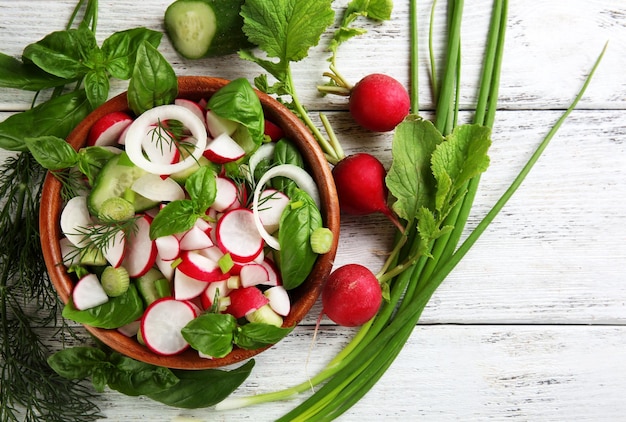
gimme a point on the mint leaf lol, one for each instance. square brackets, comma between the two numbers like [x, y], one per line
[461, 157]
[285, 29]
[409, 178]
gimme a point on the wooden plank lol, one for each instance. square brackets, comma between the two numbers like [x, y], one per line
[557, 41]
[444, 373]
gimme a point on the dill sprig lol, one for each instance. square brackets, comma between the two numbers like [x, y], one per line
[171, 134]
[100, 236]
[29, 389]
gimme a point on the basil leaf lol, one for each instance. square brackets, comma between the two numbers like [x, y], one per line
[410, 179]
[120, 50]
[153, 81]
[92, 159]
[175, 217]
[202, 188]
[55, 117]
[52, 153]
[63, 53]
[76, 362]
[238, 102]
[299, 219]
[118, 311]
[26, 76]
[97, 85]
[256, 334]
[134, 378]
[211, 334]
[285, 153]
[200, 389]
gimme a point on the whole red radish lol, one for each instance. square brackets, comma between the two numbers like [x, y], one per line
[361, 189]
[379, 102]
[351, 295]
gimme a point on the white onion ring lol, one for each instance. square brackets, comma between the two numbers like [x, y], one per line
[263, 152]
[137, 131]
[290, 171]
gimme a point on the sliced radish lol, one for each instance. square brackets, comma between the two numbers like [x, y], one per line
[137, 130]
[203, 225]
[200, 267]
[186, 287]
[253, 274]
[272, 203]
[168, 247]
[293, 172]
[223, 149]
[218, 125]
[165, 266]
[208, 295]
[75, 218]
[213, 253]
[69, 252]
[279, 299]
[273, 131]
[157, 188]
[131, 329]
[141, 251]
[88, 293]
[272, 271]
[245, 300]
[115, 249]
[192, 106]
[162, 323]
[108, 129]
[226, 195]
[195, 238]
[237, 234]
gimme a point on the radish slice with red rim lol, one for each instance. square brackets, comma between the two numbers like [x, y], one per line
[295, 173]
[162, 323]
[137, 130]
[237, 234]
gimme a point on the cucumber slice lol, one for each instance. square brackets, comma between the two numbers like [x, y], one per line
[205, 28]
[116, 209]
[114, 180]
[149, 286]
[115, 281]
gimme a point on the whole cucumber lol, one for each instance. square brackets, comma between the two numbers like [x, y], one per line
[205, 28]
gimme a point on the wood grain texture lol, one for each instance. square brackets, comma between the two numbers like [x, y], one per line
[530, 325]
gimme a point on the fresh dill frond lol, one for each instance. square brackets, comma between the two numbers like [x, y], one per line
[101, 236]
[171, 134]
[29, 389]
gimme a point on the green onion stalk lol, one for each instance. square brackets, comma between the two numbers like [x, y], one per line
[355, 370]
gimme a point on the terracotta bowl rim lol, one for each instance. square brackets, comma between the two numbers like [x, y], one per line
[305, 296]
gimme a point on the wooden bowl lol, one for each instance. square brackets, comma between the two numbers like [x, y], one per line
[303, 298]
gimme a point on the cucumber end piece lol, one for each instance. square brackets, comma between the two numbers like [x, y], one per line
[191, 27]
[115, 281]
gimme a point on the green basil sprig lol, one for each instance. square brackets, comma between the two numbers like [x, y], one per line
[177, 388]
[118, 311]
[181, 215]
[215, 334]
[299, 219]
[238, 102]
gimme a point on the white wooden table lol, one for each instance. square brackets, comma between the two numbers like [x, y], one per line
[531, 325]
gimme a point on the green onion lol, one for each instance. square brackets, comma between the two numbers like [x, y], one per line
[352, 373]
